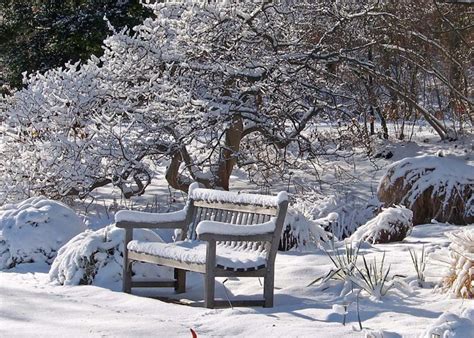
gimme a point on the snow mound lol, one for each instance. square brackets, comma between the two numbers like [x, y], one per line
[391, 225]
[449, 325]
[96, 257]
[433, 187]
[34, 230]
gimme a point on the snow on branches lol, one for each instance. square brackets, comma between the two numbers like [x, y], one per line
[206, 86]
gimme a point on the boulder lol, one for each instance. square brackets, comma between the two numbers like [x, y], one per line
[432, 187]
[391, 225]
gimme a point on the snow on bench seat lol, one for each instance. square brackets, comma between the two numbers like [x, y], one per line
[188, 251]
[149, 217]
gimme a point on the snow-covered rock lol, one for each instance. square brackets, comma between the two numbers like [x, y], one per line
[96, 257]
[391, 225]
[34, 230]
[432, 187]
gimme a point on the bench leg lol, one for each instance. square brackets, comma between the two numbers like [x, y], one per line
[268, 285]
[209, 289]
[127, 277]
[210, 276]
[180, 277]
[127, 264]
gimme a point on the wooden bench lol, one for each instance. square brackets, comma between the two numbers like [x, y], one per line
[223, 234]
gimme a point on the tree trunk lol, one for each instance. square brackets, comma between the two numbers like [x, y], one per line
[228, 157]
[220, 173]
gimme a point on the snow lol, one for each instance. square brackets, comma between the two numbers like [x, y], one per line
[339, 309]
[96, 257]
[443, 168]
[213, 227]
[195, 252]
[450, 325]
[388, 221]
[34, 230]
[211, 195]
[32, 306]
[149, 217]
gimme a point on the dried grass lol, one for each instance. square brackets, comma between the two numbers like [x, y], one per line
[459, 281]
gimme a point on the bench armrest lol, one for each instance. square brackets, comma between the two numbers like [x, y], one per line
[139, 219]
[221, 231]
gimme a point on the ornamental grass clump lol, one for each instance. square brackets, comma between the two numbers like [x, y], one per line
[344, 262]
[459, 279]
[419, 263]
[373, 277]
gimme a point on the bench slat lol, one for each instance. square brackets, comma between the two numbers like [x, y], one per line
[143, 257]
[237, 207]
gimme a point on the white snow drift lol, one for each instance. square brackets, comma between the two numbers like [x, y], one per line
[34, 230]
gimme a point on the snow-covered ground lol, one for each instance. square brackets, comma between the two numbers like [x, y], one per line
[32, 305]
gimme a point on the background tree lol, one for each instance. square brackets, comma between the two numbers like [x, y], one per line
[39, 35]
[212, 87]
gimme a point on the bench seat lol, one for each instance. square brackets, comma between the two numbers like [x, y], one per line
[194, 252]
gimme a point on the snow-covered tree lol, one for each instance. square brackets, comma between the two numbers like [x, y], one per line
[206, 86]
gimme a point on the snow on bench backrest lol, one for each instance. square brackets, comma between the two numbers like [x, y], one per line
[234, 208]
[236, 201]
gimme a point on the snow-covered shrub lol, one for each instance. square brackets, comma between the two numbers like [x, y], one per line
[337, 214]
[299, 231]
[391, 225]
[34, 230]
[450, 325]
[432, 187]
[459, 279]
[96, 257]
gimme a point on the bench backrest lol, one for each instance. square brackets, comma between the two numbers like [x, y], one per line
[236, 208]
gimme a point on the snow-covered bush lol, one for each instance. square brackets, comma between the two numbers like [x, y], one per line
[432, 187]
[169, 88]
[96, 257]
[450, 325]
[391, 225]
[337, 214]
[459, 279]
[299, 230]
[34, 230]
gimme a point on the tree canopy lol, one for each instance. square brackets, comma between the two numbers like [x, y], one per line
[209, 87]
[39, 35]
